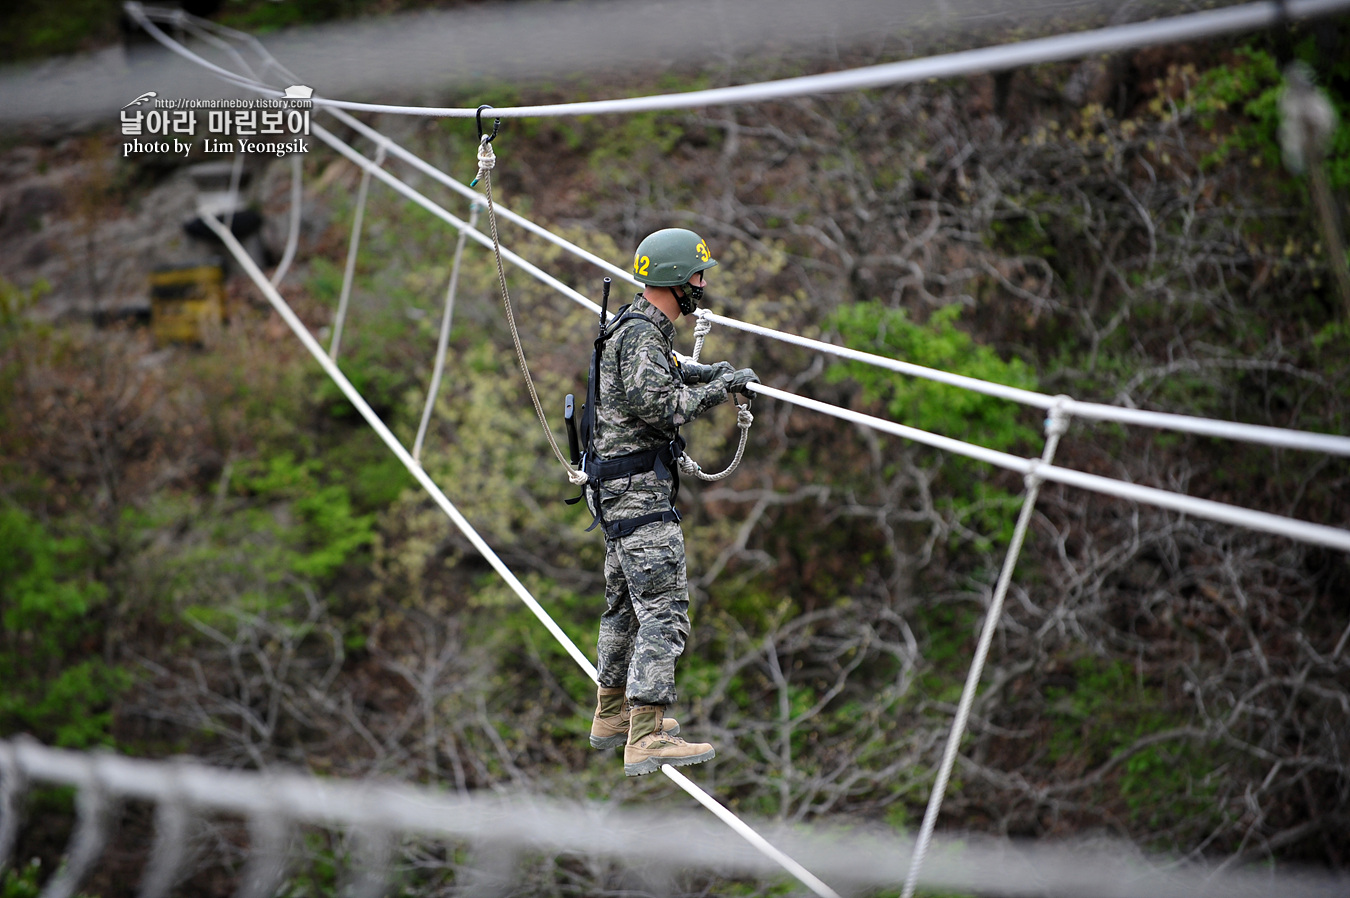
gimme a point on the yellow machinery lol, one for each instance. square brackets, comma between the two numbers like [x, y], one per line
[187, 303]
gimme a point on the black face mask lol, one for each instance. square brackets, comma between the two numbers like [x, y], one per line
[688, 300]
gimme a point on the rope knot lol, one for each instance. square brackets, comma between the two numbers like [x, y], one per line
[701, 329]
[1057, 422]
[743, 417]
[1032, 479]
[487, 159]
[577, 476]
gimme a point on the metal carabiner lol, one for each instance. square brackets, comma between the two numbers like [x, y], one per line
[496, 125]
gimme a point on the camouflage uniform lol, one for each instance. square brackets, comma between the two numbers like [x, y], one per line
[643, 399]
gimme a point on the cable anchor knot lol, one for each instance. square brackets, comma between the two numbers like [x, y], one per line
[1057, 420]
[487, 159]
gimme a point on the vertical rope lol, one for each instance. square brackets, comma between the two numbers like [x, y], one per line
[13, 784]
[269, 837]
[1055, 426]
[86, 845]
[386, 436]
[172, 818]
[353, 244]
[293, 238]
[372, 856]
[487, 159]
[236, 174]
[434, 390]
[743, 417]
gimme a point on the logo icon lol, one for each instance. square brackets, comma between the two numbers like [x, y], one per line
[143, 98]
[299, 92]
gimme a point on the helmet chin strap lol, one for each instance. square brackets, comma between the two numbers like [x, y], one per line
[688, 301]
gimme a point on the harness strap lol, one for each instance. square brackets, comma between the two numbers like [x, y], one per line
[662, 461]
[620, 529]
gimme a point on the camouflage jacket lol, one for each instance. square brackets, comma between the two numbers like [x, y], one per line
[643, 400]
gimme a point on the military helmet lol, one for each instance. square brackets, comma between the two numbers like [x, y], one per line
[670, 257]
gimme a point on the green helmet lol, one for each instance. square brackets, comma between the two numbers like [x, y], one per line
[670, 257]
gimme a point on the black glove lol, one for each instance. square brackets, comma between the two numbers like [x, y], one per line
[737, 380]
[694, 373]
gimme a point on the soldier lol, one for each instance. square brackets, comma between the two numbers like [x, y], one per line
[643, 397]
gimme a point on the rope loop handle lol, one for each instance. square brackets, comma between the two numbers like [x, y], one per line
[743, 417]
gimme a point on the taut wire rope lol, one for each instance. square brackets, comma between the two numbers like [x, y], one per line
[1001, 57]
[1261, 434]
[440, 212]
[363, 408]
[1056, 425]
[387, 436]
[13, 783]
[1254, 433]
[275, 802]
[1035, 473]
[1293, 528]
[1282, 437]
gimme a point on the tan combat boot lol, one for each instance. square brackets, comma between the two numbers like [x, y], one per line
[609, 727]
[649, 746]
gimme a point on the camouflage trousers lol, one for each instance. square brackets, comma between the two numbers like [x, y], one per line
[646, 620]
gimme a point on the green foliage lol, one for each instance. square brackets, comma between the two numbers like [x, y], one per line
[285, 533]
[939, 344]
[53, 683]
[631, 147]
[25, 881]
[1250, 89]
[938, 408]
[1106, 710]
[325, 279]
[31, 30]
[22, 882]
[262, 16]
[1023, 234]
[509, 627]
[327, 532]
[948, 635]
[492, 462]
[14, 300]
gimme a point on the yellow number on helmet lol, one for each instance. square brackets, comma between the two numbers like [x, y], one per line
[640, 264]
[702, 251]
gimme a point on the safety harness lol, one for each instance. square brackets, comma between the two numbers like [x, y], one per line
[662, 461]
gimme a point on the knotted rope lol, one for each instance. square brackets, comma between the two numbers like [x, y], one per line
[487, 159]
[743, 417]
